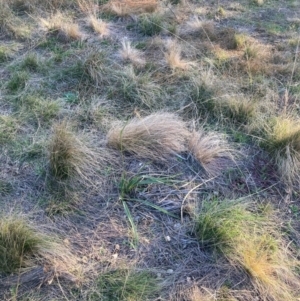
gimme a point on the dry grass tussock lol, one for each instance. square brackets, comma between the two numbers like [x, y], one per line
[63, 26]
[156, 137]
[128, 53]
[129, 7]
[174, 59]
[22, 247]
[99, 26]
[282, 140]
[207, 148]
[70, 159]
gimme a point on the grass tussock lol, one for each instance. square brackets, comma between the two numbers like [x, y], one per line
[129, 7]
[9, 127]
[94, 67]
[62, 26]
[70, 158]
[282, 140]
[208, 149]
[99, 26]
[18, 243]
[137, 88]
[238, 109]
[254, 242]
[204, 28]
[23, 246]
[156, 137]
[174, 59]
[126, 285]
[150, 24]
[133, 55]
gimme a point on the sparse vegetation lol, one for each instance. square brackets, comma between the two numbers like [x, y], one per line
[126, 285]
[149, 150]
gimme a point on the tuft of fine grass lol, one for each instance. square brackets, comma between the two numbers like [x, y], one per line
[239, 109]
[126, 285]
[62, 26]
[156, 137]
[207, 148]
[99, 26]
[137, 87]
[41, 111]
[150, 24]
[31, 62]
[174, 59]
[18, 242]
[69, 157]
[282, 140]
[17, 81]
[8, 128]
[133, 55]
[252, 241]
[129, 7]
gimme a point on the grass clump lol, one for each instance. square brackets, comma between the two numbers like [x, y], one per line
[99, 26]
[31, 62]
[137, 87]
[62, 26]
[8, 128]
[40, 110]
[173, 57]
[150, 25]
[239, 110]
[126, 285]
[70, 159]
[129, 7]
[133, 55]
[17, 81]
[208, 148]
[18, 242]
[252, 241]
[282, 140]
[156, 137]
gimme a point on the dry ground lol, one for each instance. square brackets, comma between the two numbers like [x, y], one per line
[129, 130]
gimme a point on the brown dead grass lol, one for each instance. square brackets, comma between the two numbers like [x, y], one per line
[156, 137]
[63, 26]
[99, 26]
[128, 7]
[174, 59]
[208, 148]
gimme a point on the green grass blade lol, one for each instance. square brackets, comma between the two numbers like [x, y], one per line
[133, 226]
[149, 204]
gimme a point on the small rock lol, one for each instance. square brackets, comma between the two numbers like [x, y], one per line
[167, 238]
[117, 247]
